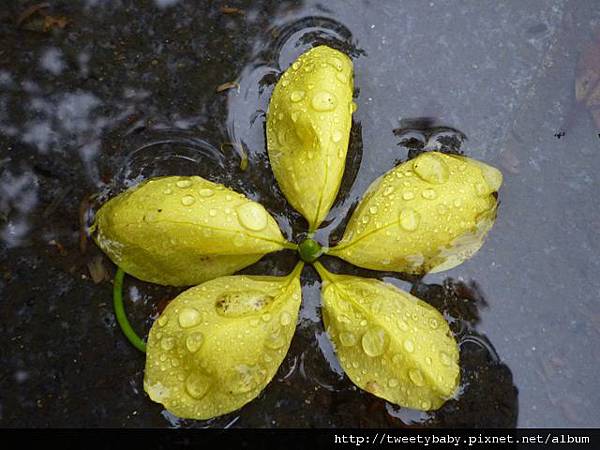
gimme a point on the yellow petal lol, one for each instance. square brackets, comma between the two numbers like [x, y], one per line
[426, 215]
[308, 128]
[184, 230]
[217, 345]
[390, 343]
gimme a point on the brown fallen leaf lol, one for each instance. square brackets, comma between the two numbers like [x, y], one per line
[231, 10]
[587, 79]
[59, 247]
[227, 86]
[33, 9]
[54, 22]
[97, 269]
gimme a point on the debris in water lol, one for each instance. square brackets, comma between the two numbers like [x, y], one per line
[97, 269]
[227, 86]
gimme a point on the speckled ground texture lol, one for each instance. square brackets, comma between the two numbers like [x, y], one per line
[120, 90]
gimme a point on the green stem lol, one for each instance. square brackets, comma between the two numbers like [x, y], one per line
[126, 328]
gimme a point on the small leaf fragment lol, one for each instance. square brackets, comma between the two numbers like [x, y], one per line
[427, 215]
[388, 342]
[182, 231]
[308, 130]
[217, 345]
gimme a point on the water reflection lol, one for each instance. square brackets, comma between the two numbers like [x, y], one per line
[121, 94]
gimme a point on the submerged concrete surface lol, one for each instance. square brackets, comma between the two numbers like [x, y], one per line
[106, 94]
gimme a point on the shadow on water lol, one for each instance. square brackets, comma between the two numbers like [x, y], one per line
[95, 121]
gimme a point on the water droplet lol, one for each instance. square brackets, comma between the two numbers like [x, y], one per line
[374, 341]
[206, 192]
[296, 96]
[295, 65]
[162, 320]
[373, 209]
[457, 202]
[275, 340]
[252, 216]
[194, 341]
[212, 212]
[197, 384]
[409, 219]
[294, 116]
[425, 405]
[481, 189]
[397, 359]
[168, 191]
[342, 77]
[408, 195]
[392, 382]
[409, 346]
[388, 190]
[336, 62]
[167, 343]
[428, 360]
[285, 318]
[239, 240]
[403, 325]
[336, 135]
[416, 377]
[433, 323]
[188, 317]
[187, 200]
[428, 194]
[445, 358]
[323, 101]
[347, 339]
[184, 183]
[266, 317]
[431, 168]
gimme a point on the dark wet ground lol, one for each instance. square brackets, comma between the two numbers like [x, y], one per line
[98, 95]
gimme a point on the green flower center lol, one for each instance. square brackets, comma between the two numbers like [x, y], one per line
[309, 250]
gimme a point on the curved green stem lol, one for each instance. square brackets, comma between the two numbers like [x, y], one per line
[126, 328]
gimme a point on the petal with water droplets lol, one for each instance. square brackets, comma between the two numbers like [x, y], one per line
[426, 215]
[184, 230]
[217, 345]
[388, 342]
[308, 129]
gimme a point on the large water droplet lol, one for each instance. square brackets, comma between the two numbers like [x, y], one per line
[206, 192]
[431, 168]
[187, 200]
[416, 377]
[374, 341]
[252, 216]
[167, 343]
[162, 320]
[194, 341]
[409, 219]
[285, 318]
[408, 195]
[409, 346]
[247, 378]
[347, 339]
[188, 317]
[336, 135]
[428, 194]
[197, 384]
[275, 340]
[323, 101]
[184, 183]
[296, 96]
[445, 358]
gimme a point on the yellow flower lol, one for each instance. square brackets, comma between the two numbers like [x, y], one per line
[217, 345]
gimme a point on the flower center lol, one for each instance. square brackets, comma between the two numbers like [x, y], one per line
[309, 250]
